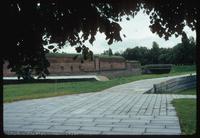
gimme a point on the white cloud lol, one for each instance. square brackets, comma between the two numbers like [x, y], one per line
[137, 33]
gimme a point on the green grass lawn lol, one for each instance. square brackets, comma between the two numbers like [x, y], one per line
[186, 111]
[40, 90]
[185, 68]
[191, 91]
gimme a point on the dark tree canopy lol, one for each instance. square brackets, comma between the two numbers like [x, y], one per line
[108, 52]
[181, 54]
[154, 52]
[62, 20]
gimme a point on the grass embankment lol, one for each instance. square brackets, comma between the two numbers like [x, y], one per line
[191, 91]
[183, 69]
[40, 90]
[186, 111]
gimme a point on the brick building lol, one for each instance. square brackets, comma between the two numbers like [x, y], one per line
[65, 64]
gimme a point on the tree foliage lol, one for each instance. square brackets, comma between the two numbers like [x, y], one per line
[137, 53]
[154, 52]
[182, 53]
[33, 23]
[108, 52]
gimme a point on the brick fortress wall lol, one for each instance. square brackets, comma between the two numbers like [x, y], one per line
[100, 65]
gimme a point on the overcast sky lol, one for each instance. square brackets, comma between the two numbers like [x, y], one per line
[137, 33]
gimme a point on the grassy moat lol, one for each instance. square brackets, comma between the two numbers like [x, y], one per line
[18, 92]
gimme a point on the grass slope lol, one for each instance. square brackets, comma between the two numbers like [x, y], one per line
[191, 91]
[186, 111]
[40, 90]
[185, 68]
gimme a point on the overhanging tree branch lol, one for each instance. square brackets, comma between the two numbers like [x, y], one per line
[63, 20]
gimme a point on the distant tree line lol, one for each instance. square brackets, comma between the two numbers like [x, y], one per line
[181, 54]
[107, 52]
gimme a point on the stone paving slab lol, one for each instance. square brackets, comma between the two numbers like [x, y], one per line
[119, 110]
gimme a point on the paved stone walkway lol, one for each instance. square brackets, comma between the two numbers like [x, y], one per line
[120, 110]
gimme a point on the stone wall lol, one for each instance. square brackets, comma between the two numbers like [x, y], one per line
[119, 73]
[111, 64]
[174, 85]
[67, 65]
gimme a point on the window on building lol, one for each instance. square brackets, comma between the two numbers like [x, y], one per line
[111, 66]
[80, 67]
[62, 68]
[71, 68]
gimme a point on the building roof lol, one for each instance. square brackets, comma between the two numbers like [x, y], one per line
[61, 55]
[80, 55]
